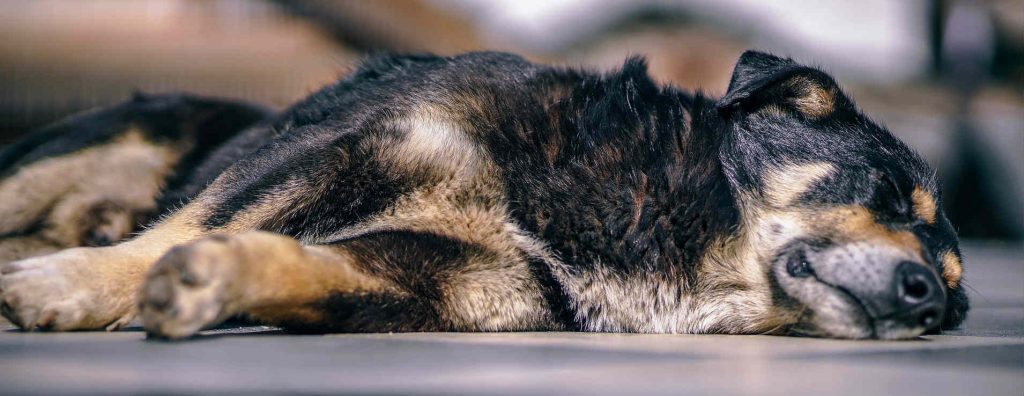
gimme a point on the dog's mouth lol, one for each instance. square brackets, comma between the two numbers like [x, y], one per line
[826, 309]
[858, 322]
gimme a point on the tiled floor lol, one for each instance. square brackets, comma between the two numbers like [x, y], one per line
[986, 357]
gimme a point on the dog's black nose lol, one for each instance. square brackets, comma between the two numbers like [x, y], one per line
[919, 295]
[915, 284]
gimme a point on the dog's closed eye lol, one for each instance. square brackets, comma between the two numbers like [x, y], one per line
[889, 203]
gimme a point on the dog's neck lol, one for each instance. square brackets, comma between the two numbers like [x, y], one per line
[637, 181]
[635, 203]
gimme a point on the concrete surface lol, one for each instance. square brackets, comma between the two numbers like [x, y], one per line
[985, 357]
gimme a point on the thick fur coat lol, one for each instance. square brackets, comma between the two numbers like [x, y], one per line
[483, 192]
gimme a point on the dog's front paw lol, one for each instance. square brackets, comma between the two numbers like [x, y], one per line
[65, 291]
[190, 288]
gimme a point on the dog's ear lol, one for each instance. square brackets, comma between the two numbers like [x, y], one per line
[761, 79]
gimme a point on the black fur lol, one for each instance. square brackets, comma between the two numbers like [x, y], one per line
[419, 264]
[610, 171]
[204, 123]
[879, 171]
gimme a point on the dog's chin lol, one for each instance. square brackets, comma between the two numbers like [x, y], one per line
[835, 315]
[885, 330]
[851, 331]
[823, 311]
[839, 329]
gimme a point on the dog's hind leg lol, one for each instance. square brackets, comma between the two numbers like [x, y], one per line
[18, 247]
[92, 179]
[385, 281]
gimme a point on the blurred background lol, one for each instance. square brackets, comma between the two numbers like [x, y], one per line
[945, 75]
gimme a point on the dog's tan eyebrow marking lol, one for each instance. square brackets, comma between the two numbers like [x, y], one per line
[924, 205]
[786, 184]
[855, 222]
[952, 269]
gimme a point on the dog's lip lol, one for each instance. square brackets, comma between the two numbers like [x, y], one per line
[861, 307]
[874, 321]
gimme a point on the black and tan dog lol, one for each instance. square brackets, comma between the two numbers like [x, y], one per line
[485, 193]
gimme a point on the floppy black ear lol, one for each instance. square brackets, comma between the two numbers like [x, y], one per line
[761, 79]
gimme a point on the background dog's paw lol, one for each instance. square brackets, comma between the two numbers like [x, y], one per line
[190, 288]
[58, 292]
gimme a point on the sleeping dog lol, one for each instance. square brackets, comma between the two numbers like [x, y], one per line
[482, 192]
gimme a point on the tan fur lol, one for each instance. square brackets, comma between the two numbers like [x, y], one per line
[843, 223]
[952, 269]
[461, 201]
[269, 277]
[773, 110]
[495, 293]
[70, 193]
[464, 203]
[324, 269]
[20, 247]
[813, 99]
[434, 139]
[924, 205]
[651, 303]
[79, 288]
[88, 288]
[431, 142]
[740, 264]
[290, 195]
[857, 223]
[783, 186]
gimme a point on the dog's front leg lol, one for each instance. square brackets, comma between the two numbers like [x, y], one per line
[386, 281]
[270, 278]
[86, 288]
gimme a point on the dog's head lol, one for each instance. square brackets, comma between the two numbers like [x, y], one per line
[845, 219]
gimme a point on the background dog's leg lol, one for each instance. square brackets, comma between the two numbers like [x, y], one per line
[19, 247]
[92, 197]
[387, 281]
[93, 179]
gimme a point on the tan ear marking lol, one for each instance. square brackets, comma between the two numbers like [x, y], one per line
[924, 205]
[813, 99]
[952, 270]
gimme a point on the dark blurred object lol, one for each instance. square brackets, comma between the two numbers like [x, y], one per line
[983, 183]
[393, 25]
[991, 29]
